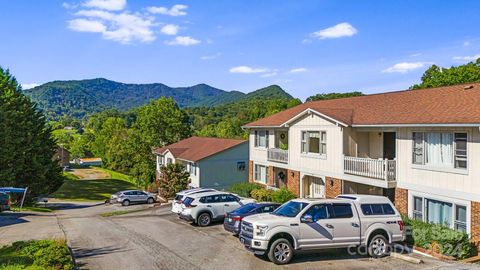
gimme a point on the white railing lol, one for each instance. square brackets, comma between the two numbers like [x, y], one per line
[278, 155]
[374, 168]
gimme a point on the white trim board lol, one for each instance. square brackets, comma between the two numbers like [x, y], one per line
[447, 193]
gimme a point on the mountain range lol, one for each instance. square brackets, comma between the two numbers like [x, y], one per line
[82, 97]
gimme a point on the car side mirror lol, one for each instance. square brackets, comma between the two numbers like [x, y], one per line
[306, 219]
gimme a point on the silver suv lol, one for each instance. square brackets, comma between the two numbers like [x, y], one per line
[302, 224]
[128, 197]
[203, 208]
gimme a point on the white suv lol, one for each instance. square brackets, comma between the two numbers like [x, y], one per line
[302, 224]
[180, 196]
[203, 208]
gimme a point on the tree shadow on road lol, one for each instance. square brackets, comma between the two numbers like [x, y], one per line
[13, 218]
[92, 252]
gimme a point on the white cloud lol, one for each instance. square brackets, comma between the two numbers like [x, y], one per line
[83, 25]
[298, 70]
[247, 70]
[106, 4]
[29, 85]
[466, 58]
[123, 27]
[170, 29]
[405, 67]
[466, 43]
[340, 30]
[210, 57]
[415, 54]
[183, 41]
[176, 10]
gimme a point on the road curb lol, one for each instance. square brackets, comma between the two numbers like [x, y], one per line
[406, 258]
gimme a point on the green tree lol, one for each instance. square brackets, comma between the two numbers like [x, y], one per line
[26, 146]
[174, 179]
[162, 122]
[333, 95]
[436, 76]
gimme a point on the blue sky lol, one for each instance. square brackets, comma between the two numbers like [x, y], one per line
[306, 47]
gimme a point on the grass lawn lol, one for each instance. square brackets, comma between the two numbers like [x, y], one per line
[91, 190]
[117, 175]
[36, 255]
[32, 209]
[120, 212]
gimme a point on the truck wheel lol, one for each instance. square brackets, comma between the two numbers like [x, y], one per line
[281, 251]
[378, 246]
[126, 203]
[204, 220]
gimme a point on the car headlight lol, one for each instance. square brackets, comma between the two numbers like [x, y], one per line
[261, 230]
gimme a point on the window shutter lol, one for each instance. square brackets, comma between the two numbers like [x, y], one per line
[256, 138]
[266, 139]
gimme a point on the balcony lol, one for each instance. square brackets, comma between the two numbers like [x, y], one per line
[383, 169]
[277, 155]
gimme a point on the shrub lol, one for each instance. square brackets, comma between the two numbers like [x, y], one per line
[174, 178]
[439, 238]
[244, 189]
[262, 195]
[282, 195]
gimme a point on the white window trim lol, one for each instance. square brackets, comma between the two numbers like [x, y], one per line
[255, 174]
[441, 168]
[454, 202]
[314, 155]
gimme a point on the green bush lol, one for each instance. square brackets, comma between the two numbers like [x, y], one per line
[439, 238]
[282, 195]
[244, 189]
[262, 195]
[41, 254]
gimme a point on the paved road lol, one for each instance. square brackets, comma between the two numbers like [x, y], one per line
[156, 239]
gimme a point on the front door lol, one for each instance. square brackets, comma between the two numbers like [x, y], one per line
[389, 145]
[317, 187]
[317, 233]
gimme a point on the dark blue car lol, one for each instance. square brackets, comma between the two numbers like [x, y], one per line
[233, 219]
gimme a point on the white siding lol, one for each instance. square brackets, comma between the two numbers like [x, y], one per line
[312, 163]
[455, 183]
[195, 178]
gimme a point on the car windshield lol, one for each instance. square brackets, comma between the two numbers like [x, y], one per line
[178, 197]
[290, 209]
[246, 208]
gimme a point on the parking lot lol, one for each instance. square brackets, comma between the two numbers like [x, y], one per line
[156, 239]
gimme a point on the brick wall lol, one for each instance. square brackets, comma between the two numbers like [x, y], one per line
[271, 176]
[250, 171]
[401, 200]
[293, 181]
[475, 223]
[333, 187]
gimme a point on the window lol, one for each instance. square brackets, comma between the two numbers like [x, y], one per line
[314, 142]
[318, 211]
[169, 161]
[228, 198]
[210, 199]
[461, 218]
[290, 209]
[261, 174]
[161, 160]
[341, 210]
[261, 138]
[418, 208]
[192, 168]
[377, 209]
[440, 149]
[241, 165]
[434, 211]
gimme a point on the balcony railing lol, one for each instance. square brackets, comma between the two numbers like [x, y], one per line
[277, 155]
[373, 168]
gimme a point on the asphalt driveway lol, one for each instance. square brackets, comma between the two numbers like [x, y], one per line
[156, 239]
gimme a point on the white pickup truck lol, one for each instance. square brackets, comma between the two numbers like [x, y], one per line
[303, 224]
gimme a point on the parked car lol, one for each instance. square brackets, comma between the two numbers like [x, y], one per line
[234, 219]
[4, 201]
[177, 202]
[128, 197]
[203, 208]
[348, 221]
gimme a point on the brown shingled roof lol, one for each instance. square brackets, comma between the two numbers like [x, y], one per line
[458, 104]
[197, 148]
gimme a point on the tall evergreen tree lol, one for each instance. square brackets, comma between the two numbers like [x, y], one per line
[26, 146]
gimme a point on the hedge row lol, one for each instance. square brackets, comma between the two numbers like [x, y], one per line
[259, 193]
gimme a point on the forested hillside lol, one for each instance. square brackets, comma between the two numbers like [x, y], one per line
[80, 98]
